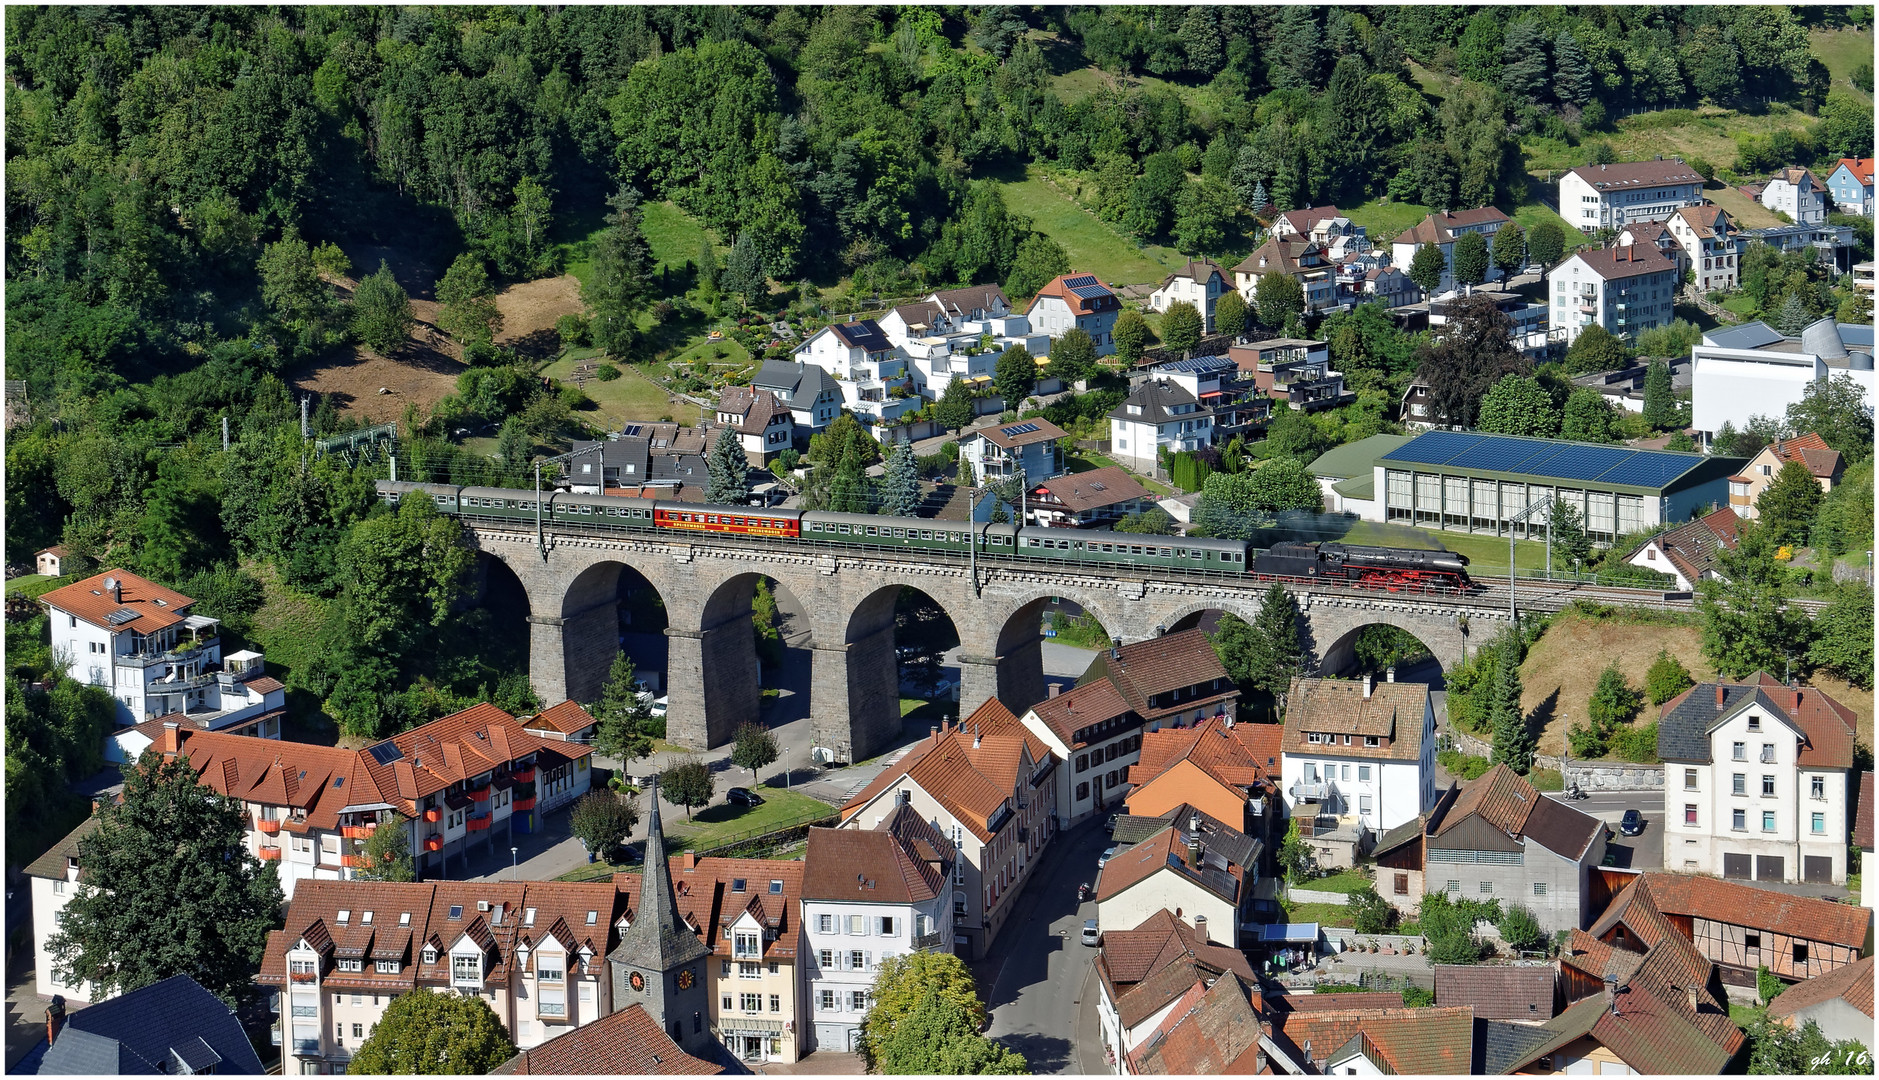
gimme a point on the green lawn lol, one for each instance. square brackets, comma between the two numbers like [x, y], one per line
[1383, 219]
[1344, 881]
[1842, 51]
[1707, 132]
[287, 630]
[714, 825]
[1740, 304]
[30, 585]
[629, 398]
[1081, 82]
[1093, 245]
[1432, 83]
[1530, 214]
[673, 234]
[1743, 1015]
[1322, 914]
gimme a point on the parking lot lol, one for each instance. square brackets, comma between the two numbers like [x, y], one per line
[1644, 851]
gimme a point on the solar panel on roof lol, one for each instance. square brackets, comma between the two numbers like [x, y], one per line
[1091, 292]
[120, 617]
[385, 753]
[1507, 455]
[1651, 470]
[1433, 447]
[1081, 281]
[1586, 462]
[1018, 429]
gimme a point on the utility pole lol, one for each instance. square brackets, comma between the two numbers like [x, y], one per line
[303, 416]
[225, 433]
[972, 536]
[541, 543]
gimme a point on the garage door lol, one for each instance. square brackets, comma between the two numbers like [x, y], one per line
[1769, 868]
[1817, 868]
[1735, 866]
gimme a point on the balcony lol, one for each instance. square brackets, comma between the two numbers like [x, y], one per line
[480, 822]
[353, 861]
[434, 842]
[270, 854]
[303, 976]
[307, 1047]
[525, 776]
[434, 815]
[523, 806]
[928, 942]
[551, 1010]
[357, 832]
[309, 1011]
[269, 826]
[1323, 791]
[480, 794]
[181, 654]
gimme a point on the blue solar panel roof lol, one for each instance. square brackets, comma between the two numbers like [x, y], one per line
[1089, 292]
[1547, 459]
[1081, 281]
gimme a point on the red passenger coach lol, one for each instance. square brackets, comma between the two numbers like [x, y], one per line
[714, 519]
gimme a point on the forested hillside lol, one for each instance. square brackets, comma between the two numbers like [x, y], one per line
[183, 184]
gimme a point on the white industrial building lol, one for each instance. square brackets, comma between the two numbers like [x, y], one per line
[1741, 372]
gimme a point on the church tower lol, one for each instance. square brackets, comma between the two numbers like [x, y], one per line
[660, 962]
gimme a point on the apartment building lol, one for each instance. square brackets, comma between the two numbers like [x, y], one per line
[1080, 301]
[1305, 261]
[1238, 403]
[1626, 290]
[157, 657]
[869, 895]
[1027, 446]
[1158, 415]
[1358, 759]
[747, 913]
[1712, 246]
[985, 785]
[867, 366]
[945, 312]
[1757, 781]
[54, 879]
[1201, 283]
[1442, 229]
[1228, 771]
[1087, 728]
[1594, 197]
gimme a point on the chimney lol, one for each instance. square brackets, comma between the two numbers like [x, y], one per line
[934, 731]
[1055, 689]
[55, 1018]
[1690, 994]
[1200, 929]
[171, 738]
[1721, 693]
[1194, 851]
[115, 588]
[1611, 994]
[1369, 682]
[691, 860]
[1389, 673]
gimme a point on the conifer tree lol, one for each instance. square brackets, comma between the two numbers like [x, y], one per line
[729, 470]
[900, 482]
[1660, 404]
[1513, 740]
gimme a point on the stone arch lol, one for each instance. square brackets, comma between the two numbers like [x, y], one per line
[1003, 656]
[857, 672]
[1334, 630]
[1188, 615]
[591, 623]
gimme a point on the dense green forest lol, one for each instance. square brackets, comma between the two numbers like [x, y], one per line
[179, 180]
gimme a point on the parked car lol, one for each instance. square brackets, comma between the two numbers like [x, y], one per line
[1111, 827]
[1108, 854]
[659, 706]
[1091, 936]
[739, 796]
[1633, 823]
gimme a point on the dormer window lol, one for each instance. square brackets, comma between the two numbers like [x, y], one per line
[387, 967]
[430, 954]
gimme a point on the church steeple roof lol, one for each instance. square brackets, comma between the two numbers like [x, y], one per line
[658, 940]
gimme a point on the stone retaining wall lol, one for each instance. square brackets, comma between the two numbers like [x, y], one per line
[1614, 776]
[1341, 939]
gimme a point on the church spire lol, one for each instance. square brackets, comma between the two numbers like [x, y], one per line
[658, 940]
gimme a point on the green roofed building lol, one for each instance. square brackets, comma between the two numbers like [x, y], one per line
[1456, 480]
[1347, 475]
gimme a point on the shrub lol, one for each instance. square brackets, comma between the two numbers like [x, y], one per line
[1370, 913]
[1768, 984]
[1586, 741]
[606, 372]
[1463, 766]
[1636, 744]
[1519, 928]
[1546, 780]
[1666, 679]
[1614, 701]
[1416, 997]
[573, 329]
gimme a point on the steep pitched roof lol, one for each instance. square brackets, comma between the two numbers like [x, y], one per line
[714, 893]
[922, 315]
[658, 940]
[147, 1032]
[753, 408]
[1392, 710]
[1707, 221]
[1861, 168]
[1692, 547]
[1238, 754]
[874, 866]
[320, 780]
[624, 1043]
[58, 859]
[1168, 850]
[136, 604]
[1155, 666]
[1827, 727]
[1199, 271]
[1625, 175]
[1217, 1035]
[1279, 255]
[1506, 801]
[962, 302]
[566, 718]
[1853, 983]
[1744, 905]
[1438, 1041]
[863, 334]
[1810, 450]
[1094, 489]
[973, 782]
[1081, 293]
[1303, 221]
[1155, 402]
[1081, 707]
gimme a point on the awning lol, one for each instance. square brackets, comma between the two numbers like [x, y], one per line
[980, 378]
[1289, 933]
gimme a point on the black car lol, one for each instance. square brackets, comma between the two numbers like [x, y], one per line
[738, 796]
[1633, 823]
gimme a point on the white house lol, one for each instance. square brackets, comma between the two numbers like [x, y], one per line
[140, 641]
[1094, 727]
[1205, 870]
[869, 894]
[1688, 552]
[1157, 415]
[1080, 301]
[812, 394]
[1626, 290]
[867, 366]
[945, 312]
[1359, 760]
[1795, 192]
[1739, 372]
[1200, 283]
[1711, 244]
[1756, 781]
[764, 425]
[1608, 196]
[1028, 446]
[1305, 261]
[1442, 229]
[1150, 974]
[55, 880]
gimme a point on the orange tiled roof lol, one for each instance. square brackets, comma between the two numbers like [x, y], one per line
[1218, 1034]
[453, 749]
[1810, 450]
[151, 607]
[972, 782]
[1853, 982]
[1437, 1041]
[1746, 905]
[566, 718]
[304, 776]
[624, 1043]
[1237, 755]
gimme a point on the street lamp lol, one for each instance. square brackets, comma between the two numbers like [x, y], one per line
[512, 866]
[786, 768]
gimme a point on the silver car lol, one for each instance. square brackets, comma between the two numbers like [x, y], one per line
[1091, 936]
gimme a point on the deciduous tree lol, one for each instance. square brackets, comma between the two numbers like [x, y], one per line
[602, 820]
[752, 748]
[1470, 259]
[1546, 244]
[1614, 700]
[1130, 335]
[1570, 544]
[1843, 635]
[426, 1034]
[1279, 297]
[955, 407]
[1747, 625]
[1230, 313]
[1838, 412]
[902, 986]
[1015, 376]
[381, 312]
[385, 854]
[1473, 353]
[1519, 405]
[1181, 326]
[170, 888]
[1427, 266]
[1666, 678]
[1510, 248]
[687, 782]
[468, 309]
[1588, 417]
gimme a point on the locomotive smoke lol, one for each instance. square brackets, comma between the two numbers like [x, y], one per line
[1303, 526]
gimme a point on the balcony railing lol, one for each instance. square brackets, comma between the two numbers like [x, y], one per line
[305, 1010]
[551, 1008]
[179, 654]
[928, 941]
[307, 1047]
[270, 854]
[357, 832]
[480, 822]
[434, 842]
[1322, 791]
[269, 826]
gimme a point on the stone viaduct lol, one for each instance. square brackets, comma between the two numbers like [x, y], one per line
[706, 585]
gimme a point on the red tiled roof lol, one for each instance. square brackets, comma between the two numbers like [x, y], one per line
[1497, 993]
[1502, 798]
[624, 1043]
[1199, 271]
[1335, 1002]
[1238, 755]
[1156, 666]
[971, 782]
[1280, 255]
[753, 408]
[1213, 1036]
[708, 899]
[1852, 982]
[266, 684]
[1392, 711]
[1007, 436]
[1303, 221]
[566, 718]
[1094, 489]
[1692, 547]
[1861, 168]
[1438, 1041]
[151, 606]
[319, 780]
[1765, 909]
[871, 865]
[1810, 450]
[1081, 707]
[1440, 229]
[455, 748]
[1166, 850]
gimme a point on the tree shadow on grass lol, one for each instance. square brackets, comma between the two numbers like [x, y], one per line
[1542, 715]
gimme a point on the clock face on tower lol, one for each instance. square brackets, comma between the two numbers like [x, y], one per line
[685, 979]
[638, 981]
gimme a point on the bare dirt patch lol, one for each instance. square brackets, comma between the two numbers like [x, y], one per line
[364, 384]
[529, 310]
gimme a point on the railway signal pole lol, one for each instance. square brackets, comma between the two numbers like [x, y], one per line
[1513, 581]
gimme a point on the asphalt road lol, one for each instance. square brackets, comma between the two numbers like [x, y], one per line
[1644, 851]
[1035, 996]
